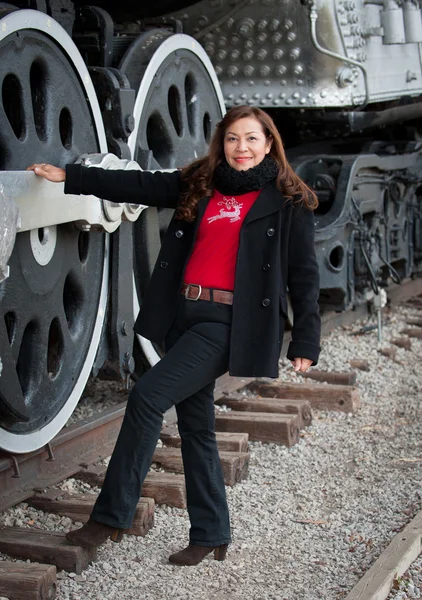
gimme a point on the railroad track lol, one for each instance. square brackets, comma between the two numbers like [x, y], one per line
[260, 410]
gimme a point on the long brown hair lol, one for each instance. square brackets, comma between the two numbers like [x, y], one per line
[198, 176]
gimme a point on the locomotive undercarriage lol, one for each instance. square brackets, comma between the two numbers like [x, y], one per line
[75, 269]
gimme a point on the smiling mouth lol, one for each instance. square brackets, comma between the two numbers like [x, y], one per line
[242, 158]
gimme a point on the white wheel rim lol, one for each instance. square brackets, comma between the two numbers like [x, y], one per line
[175, 42]
[31, 19]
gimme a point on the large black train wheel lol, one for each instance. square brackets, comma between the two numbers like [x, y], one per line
[52, 305]
[179, 103]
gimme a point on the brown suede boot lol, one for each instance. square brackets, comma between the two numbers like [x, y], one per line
[192, 555]
[93, 534]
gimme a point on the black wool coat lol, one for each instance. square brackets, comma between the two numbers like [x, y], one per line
[276, 251]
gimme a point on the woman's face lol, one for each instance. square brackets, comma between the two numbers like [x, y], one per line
[245, 144]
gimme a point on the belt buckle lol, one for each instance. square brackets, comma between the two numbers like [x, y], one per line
[188, 286]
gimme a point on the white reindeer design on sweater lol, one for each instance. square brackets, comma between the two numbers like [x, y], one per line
[232, 211]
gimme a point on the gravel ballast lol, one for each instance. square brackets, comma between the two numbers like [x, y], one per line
[309, 521]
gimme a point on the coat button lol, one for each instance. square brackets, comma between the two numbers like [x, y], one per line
[179, 233]
[270, 232]
[266, 302]
[266, 267]
[164, 264]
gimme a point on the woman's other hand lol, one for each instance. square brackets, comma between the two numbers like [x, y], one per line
[301, 364]
[49, 172]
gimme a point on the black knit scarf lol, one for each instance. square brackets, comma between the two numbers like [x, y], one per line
[230, 181]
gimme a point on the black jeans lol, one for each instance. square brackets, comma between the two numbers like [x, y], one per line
[197, 350]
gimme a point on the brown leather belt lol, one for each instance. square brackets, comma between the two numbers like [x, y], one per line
[192, 291]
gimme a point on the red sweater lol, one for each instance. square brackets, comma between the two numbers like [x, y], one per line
[212, 263]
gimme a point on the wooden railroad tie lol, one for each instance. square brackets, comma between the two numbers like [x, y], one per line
[231, 442]
[78, 507]
[27, 581]
[334, 377]
[270, 405]
[402, 342]
[165, 488]
[414, 321]
[343, 398]
[49, 547]
[235, 465]
[361, 364]
[414, 332]
[261, 427]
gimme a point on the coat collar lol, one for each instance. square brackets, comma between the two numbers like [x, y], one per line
[270, 200]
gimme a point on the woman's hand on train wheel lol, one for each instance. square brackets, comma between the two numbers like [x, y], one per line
[301, 364]
[49, 172]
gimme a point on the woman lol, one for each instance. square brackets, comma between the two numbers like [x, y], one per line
[243, 231]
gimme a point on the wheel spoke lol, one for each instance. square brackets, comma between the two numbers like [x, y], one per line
[11, 397]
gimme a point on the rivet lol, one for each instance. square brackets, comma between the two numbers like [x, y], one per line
[230, 23]
[222, 42]
[203, 21]
[303, 100]
[276, 38]
[299, 81]
[250, 101]
[291, 36]
[230, 97]
[298, 70]
[295, 95]
[248, 55]
[237, 101]
[283, 82]
[282, 95]
[269, 95]
[221, 55]
[281, 69]
[248, 70]
[248, 44]
[232, 70]
[324, 93]
[277, 54]
[234, 54]
[288, 24]
[276, 101]
[263, 101]
[267, 82]
[257, 95]
[251, 83]
[289, 101]
[261, 54]
[310, 95]
[274, 25]
[245, 27]
[295, 53]
[261, 25]
[209, 49]
[235, 83]
[208, 37]
[218, 69]
[261, 38]
[235, 39]
[264, 71]
[243, 96]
